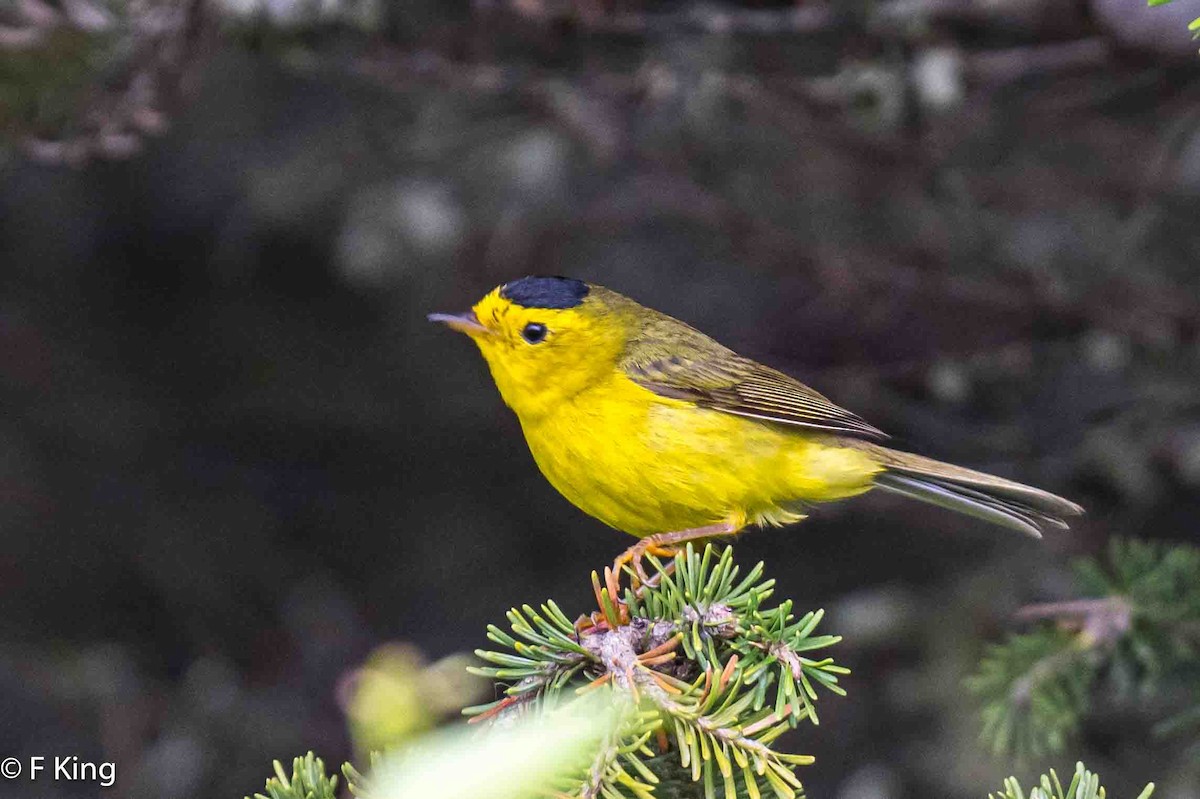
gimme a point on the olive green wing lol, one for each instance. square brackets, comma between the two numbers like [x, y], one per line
[720, 379]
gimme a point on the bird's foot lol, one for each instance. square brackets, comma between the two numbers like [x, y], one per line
[663, 545]
[634, 556]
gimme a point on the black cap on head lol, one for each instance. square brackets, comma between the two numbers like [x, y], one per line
[545, 292]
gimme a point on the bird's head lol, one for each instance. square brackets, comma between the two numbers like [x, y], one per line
[545, 339]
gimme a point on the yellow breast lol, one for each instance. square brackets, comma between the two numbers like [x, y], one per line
[647, 464]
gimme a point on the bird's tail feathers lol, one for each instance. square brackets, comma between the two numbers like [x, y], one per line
[1004, 502]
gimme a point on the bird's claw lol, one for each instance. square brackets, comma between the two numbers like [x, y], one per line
[634, 557]
[639, 566]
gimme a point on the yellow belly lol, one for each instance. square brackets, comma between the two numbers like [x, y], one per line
[648, 464]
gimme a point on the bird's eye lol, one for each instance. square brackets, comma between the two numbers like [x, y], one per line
[534, 333]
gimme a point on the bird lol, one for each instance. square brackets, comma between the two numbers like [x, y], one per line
[649, 425]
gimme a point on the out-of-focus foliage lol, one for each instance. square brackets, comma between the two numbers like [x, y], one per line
[395, 695]
[519, 760]
[1035, 689]
[1193, 26]
[93, 77]
[43, 85]
[1135, 637]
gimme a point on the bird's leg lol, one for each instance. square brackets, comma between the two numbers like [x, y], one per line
[595, 621]
[663, 545]
[666, 545]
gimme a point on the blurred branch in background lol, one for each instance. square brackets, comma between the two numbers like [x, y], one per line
[120, 65]
[1135, 640]
[84, 78]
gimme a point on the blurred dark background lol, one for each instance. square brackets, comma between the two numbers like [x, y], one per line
[235, 458]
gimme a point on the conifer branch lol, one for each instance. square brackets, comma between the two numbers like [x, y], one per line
[1083, 785]
[1134, 632]
[716, 677]
[680, 689]
[308, 780]
[661, 777]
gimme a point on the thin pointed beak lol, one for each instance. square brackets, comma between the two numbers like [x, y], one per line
[462, 322]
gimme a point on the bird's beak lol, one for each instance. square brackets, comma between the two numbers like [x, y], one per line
[462, 322]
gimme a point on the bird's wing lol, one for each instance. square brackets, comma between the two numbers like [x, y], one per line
[728, 382]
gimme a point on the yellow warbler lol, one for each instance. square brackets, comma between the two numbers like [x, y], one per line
[657, 430]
